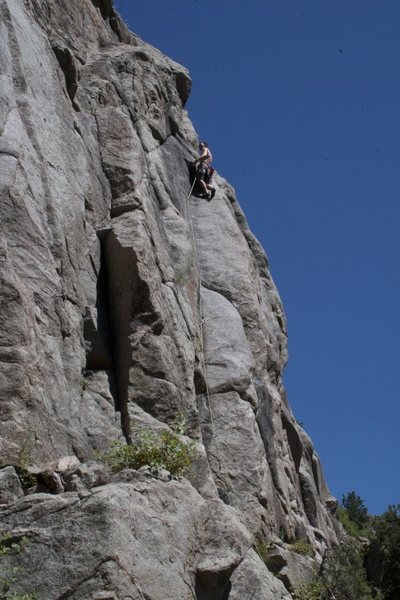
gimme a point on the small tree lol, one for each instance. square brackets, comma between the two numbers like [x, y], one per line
[385, 549]
[341, 576]
[355, 508]
[343, 573]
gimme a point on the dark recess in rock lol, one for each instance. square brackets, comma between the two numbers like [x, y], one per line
[308, 496]
[294, 440]
[266, 428]
[105, 7]
[97, 333]
[212, 586]
[107, 12]
[183, 85]
[68, 65]
[130, 308]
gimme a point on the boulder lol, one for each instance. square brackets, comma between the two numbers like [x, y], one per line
[254, 581]
[291, 567]
[141, 538]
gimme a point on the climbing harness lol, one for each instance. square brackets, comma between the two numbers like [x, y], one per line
[202, 173]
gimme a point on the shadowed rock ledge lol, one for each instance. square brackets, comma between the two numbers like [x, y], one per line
[123, 302]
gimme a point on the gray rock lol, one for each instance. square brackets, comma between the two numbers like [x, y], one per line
[86, 476]
[254, 581]
[49, 482]
[10, 486]
[332, 504]
[291, 567]
[122, 156]
[139, 539]
[229, 359]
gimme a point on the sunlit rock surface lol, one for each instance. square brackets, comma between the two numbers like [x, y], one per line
[123, 300]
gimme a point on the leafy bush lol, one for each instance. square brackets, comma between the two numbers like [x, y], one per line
[155, 449]
[353, 515]
[311, 590]
[349, 526]
[343, 572]
[8, 546]
[302, 547]
[179, 424]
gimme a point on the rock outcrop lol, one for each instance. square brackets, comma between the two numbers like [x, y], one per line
[124, 301]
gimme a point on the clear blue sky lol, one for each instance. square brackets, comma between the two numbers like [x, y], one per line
[300, 103]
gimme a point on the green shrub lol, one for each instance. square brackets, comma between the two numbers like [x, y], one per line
[27, 479]
[350, 527]
[353, 515]
[155, 449]
[343, 572]
[310, 590]
[179, 424]
[8, 546]
[283, 534]
[302, 547]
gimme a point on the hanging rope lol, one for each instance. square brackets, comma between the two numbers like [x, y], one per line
[202, 321]
[200, 305]
[191, 190]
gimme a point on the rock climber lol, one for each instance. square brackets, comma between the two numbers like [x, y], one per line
[204, 170]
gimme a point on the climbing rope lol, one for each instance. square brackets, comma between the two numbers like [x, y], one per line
[202, 321]
[200, 305]
[191, 190]
[208, 395]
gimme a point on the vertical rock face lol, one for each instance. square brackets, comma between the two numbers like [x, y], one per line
[122, 300]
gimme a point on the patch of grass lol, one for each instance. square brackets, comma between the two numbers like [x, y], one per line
[179, 424]
[283, 534]
[8, 546]
[262, 549]
[158, 450]
[84, 385]
[24, 461]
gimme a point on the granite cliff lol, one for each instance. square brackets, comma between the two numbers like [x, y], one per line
[125, 302]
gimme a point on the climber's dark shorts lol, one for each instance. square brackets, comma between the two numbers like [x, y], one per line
[205, 173]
